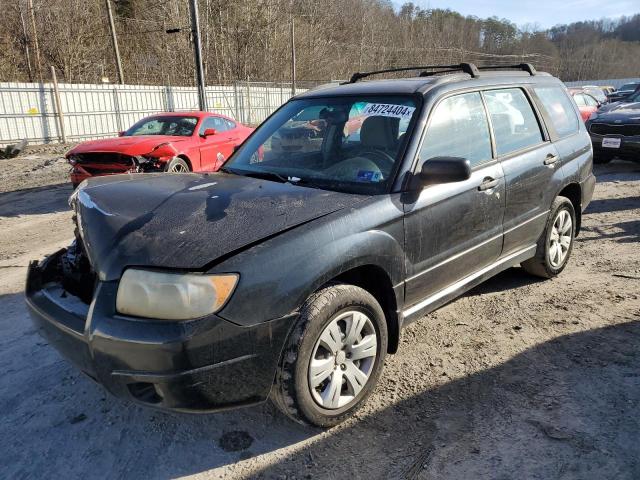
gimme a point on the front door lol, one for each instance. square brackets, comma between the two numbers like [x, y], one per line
[455, 229]
[214, 149]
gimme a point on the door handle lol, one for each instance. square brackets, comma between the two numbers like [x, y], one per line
[551, 159]
[488, 183]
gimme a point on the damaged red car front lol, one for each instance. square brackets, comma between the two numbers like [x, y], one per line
[168, 142]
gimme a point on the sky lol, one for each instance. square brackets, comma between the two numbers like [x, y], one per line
[545, 13]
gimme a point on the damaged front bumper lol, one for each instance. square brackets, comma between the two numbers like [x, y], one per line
[202, 365]
[97, 164]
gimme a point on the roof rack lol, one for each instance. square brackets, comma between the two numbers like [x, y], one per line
[469, 68]
[525, 67]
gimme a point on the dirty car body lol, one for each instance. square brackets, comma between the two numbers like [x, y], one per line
[272, 230]
[204, 141]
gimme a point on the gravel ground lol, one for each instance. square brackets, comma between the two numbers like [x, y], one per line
[520, 378]
[37, 166]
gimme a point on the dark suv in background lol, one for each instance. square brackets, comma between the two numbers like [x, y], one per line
[291, 273]
[615, 130]
[623, 92]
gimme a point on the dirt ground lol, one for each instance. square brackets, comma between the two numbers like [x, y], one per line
[520, 378]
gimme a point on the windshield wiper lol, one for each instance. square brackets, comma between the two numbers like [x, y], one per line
[273, 176]
[262, 175]
[308, 183]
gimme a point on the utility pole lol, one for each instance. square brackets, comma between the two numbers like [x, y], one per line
[36, 47]
[197, 50]
[293, 56]
[27, 54]
[56, 94]
[114, 41]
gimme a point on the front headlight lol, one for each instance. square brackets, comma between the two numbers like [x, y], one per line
[593, 116]
[172, 296]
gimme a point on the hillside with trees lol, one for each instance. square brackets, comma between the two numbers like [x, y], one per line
[251, 40]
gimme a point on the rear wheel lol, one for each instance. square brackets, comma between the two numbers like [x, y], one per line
[556, 242]
[177, 165]
[333, 357]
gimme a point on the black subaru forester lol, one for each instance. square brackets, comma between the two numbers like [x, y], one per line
[291, 273]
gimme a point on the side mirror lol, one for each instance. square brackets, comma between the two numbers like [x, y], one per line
[121, 133]
[444, 170]
[209, 132]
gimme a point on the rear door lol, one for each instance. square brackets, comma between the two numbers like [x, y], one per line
[454, 229]
[529, 161]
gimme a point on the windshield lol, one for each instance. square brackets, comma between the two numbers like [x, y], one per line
[169, 125]
[350, 144]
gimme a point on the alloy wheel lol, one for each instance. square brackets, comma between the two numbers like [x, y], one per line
[178, 168]
[342, 360]
[560, 239]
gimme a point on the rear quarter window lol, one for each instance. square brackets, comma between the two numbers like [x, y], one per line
[559, 109]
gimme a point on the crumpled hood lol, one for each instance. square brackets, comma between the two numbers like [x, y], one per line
[627, 112]
[135, 145]
[187, 221]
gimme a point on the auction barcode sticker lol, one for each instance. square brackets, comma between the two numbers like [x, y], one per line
[388, 110]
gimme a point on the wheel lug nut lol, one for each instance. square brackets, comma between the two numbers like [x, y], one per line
[343, 366]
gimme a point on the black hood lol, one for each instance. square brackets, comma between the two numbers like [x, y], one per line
[626, 112]
[187, 221]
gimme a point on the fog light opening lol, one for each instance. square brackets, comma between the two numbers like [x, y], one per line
[145, 392]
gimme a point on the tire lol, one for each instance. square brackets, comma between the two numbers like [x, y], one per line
[177, 165]
[601, 159]
[548, 261]
[336, 306]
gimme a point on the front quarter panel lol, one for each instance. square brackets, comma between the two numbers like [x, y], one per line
[277, 275]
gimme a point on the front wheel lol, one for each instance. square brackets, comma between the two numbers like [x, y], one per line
[177, 165]
[333, 357]
[556, 242]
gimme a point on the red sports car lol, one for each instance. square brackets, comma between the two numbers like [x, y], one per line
[166, 142]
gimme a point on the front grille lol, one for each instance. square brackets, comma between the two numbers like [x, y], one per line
[609, 129]
[101, 163]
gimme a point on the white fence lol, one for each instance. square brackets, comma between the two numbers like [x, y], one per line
[27, 110]
[616, 82]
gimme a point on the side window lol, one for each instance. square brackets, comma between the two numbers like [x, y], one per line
[458, 128]
[515, 126]
[559, 109]
[213, 122]
[206, 123]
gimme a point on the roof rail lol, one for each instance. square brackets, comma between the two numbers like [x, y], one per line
[526, 67]
[469, 68]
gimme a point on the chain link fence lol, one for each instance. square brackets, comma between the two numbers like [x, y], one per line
[28, 110]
